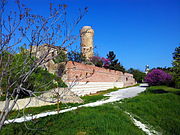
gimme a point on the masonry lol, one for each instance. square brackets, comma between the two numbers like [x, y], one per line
[87, 79]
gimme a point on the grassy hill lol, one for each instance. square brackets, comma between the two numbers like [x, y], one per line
[158, 106]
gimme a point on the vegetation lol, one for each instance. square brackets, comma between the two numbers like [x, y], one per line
[97, 96]
[19, 25]
[176, 57]
[158, 106]
[87, 99]
[137, 74]
[62, 57]
[36, 79]
[97, 61]
[158, 77]
[175, 70]
[102, 120]
[76, 56]
[176, 67]
[114, 64]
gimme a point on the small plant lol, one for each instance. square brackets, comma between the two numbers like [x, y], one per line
[158, 77]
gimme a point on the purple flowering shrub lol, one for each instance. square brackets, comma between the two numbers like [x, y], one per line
[106, 62]
[96, 61]
[100, 62]
[158, 77]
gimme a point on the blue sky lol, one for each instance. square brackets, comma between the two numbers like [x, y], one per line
[140, 32]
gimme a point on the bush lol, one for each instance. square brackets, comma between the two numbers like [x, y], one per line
[97, 61]
[158, 77]
[62, 57]
[39, 80]
[137, 74]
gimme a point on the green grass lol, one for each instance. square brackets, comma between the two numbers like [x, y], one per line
[102, 120]
[159, 106]
[36, 110]
[98, 96]
[87, 99]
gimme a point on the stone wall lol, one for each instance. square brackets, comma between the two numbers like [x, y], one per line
[87, 79]
[65, 96]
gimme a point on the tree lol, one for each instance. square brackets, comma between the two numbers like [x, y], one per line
[76, 56]
[97, 61]
[158, 77]
[137, 74]
[114, 64]
[20, 28]
[176, 67]
[176, 57]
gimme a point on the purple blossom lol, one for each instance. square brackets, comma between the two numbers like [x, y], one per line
[106, 62]
[100, 61]
[158, 77]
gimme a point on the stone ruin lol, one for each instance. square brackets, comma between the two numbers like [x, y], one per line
[73, 70]
[87, 36]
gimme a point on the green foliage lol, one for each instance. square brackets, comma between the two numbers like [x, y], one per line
[114, 64]
[37, 80]
[158, 106]
[76, 57]
[19, 65]
[137, 74]
[103, 120]
[87, 99]
[62, 57]
[176, 67]
[176, 57]
[97, 61]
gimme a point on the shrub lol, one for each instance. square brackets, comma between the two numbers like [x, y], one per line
[62, 57]
[137, 74]
[39, 80]
[97, 61]
[158, 77]
[100, 61]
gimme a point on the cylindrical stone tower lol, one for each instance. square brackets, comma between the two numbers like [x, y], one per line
[87, 35]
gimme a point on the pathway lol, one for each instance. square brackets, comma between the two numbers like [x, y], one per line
[113, 96]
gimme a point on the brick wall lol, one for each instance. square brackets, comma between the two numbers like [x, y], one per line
[90, 79]
[90, 73]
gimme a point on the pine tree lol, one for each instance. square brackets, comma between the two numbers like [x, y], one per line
[114, 65]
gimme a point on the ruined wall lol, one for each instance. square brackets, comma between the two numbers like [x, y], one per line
[87, 79]
[66, 96]
[51, 50]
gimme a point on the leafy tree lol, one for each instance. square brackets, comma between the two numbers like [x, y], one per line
[62, 57]
[158, 77]
[176, 57]
[97, 61]
[36, 79]
[176, 67]
[114, 64]
[137, 74]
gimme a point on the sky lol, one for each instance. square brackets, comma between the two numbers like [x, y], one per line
[140, 32]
